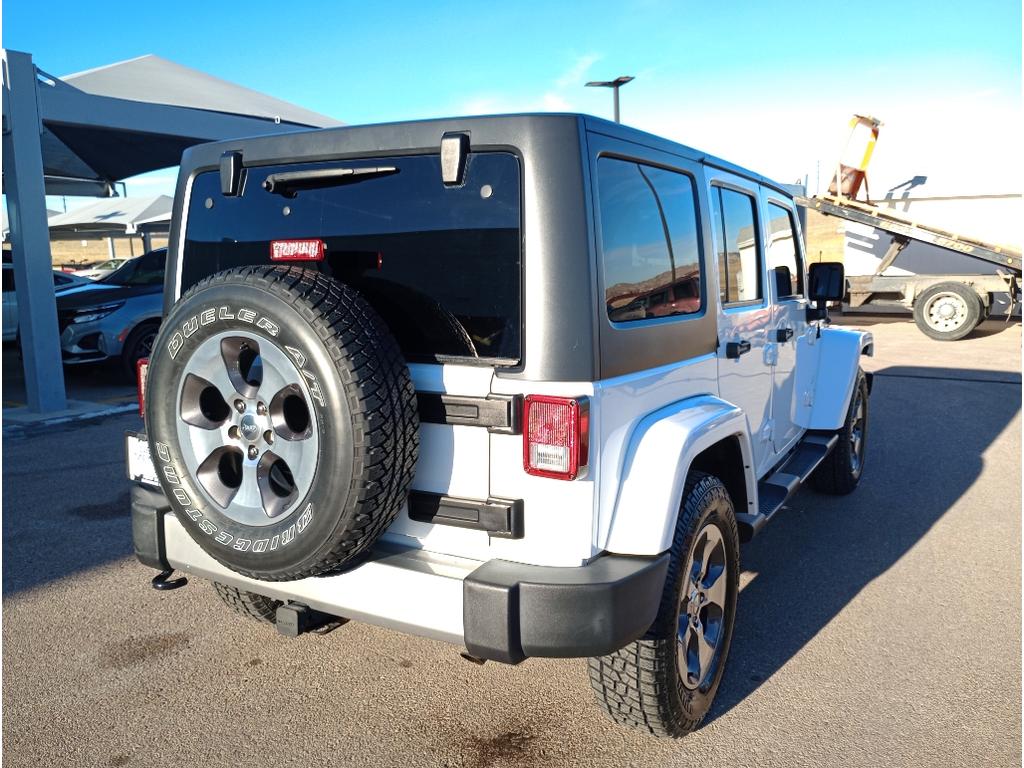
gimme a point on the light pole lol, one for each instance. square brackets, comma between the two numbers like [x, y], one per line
[615, 84]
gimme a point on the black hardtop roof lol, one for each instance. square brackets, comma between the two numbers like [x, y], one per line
[406, 133]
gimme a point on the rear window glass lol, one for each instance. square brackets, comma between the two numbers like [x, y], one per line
[442, 265]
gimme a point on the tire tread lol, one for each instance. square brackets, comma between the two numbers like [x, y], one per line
[380, 396]
[638, 685]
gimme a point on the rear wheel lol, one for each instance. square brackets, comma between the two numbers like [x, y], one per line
[665, 682]
[257, 607]
[948, 311]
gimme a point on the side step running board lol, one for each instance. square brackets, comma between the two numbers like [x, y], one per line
[777, 488]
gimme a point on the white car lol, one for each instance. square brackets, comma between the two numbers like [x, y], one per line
[61, 282]
[101, 270]
[519, 383]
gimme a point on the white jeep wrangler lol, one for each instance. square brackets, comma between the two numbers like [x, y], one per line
[518, 383]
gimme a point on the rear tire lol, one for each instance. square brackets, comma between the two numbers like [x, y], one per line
[257, 607]
[948, 311]
[841, 470]
[659, 684]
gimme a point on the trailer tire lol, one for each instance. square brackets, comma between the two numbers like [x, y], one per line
[948, 311]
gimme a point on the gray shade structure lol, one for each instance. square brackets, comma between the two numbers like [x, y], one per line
[5, 228]
[114, 217]
[148, 111]
[78, 135]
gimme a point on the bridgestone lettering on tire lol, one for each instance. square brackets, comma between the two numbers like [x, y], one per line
[282, 421]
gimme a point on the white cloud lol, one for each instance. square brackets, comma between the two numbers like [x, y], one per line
[965, 143]
[556, 98]
[555, 102]
[575, 74]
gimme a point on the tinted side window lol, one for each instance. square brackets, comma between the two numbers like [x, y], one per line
[8, 280]
[150, 269]
[739, 268]
[783, 258]
[649, 241]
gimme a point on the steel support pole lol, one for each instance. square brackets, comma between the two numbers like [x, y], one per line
[30, 236]
[615, 88]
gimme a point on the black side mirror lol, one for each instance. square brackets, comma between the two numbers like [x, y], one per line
[827, 281]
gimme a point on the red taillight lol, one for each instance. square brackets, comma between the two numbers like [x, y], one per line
[141, 369]
[556, 436]
[297, 250]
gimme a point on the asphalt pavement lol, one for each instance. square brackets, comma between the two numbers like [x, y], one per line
[882, 628]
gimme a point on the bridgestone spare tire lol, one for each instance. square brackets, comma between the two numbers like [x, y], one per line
[282, 421]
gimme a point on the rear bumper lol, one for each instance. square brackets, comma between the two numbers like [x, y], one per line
[497, 610]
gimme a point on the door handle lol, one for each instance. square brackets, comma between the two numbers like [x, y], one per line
[783, 335]
[736, 348]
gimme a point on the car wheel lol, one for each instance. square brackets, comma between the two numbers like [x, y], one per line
[282, 420]
[138, 346]
[948, 311]
[841, 470]
[249, 604]
[665, 682]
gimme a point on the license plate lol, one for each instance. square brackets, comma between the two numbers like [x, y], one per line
[140, 465]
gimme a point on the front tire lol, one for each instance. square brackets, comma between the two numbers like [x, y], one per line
[841, 470]
[137, 346]
[665, 682]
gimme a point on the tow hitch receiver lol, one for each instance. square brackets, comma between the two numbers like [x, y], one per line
[293, 619]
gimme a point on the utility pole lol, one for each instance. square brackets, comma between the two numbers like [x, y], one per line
[615, 84]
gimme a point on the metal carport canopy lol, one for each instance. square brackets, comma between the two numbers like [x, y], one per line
[81, 133]
[113, 217]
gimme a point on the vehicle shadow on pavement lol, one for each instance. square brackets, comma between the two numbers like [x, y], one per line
[65, 501]
[98, 382]
[926, 441]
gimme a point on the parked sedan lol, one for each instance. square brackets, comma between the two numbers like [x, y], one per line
[101, 270]
[61, 282]
[118, 316]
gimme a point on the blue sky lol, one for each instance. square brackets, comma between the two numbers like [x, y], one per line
[767, 85]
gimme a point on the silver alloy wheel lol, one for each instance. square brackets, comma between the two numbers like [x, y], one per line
[946, 311]
[857, 432]
[702, 599]
[246, 427]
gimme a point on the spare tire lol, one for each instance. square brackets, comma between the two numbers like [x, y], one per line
[282, 420]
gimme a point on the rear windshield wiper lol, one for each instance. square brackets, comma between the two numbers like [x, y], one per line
[287, 184]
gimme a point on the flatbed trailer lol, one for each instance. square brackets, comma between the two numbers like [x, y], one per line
[945, 306]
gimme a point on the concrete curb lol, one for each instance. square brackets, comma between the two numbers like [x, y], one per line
[20, 424]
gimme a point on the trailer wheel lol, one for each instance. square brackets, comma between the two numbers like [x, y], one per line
[948, 311]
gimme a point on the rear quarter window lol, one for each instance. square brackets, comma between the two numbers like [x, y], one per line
[649, 241]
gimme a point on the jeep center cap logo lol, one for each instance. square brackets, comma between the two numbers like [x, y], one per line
[249, 427]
